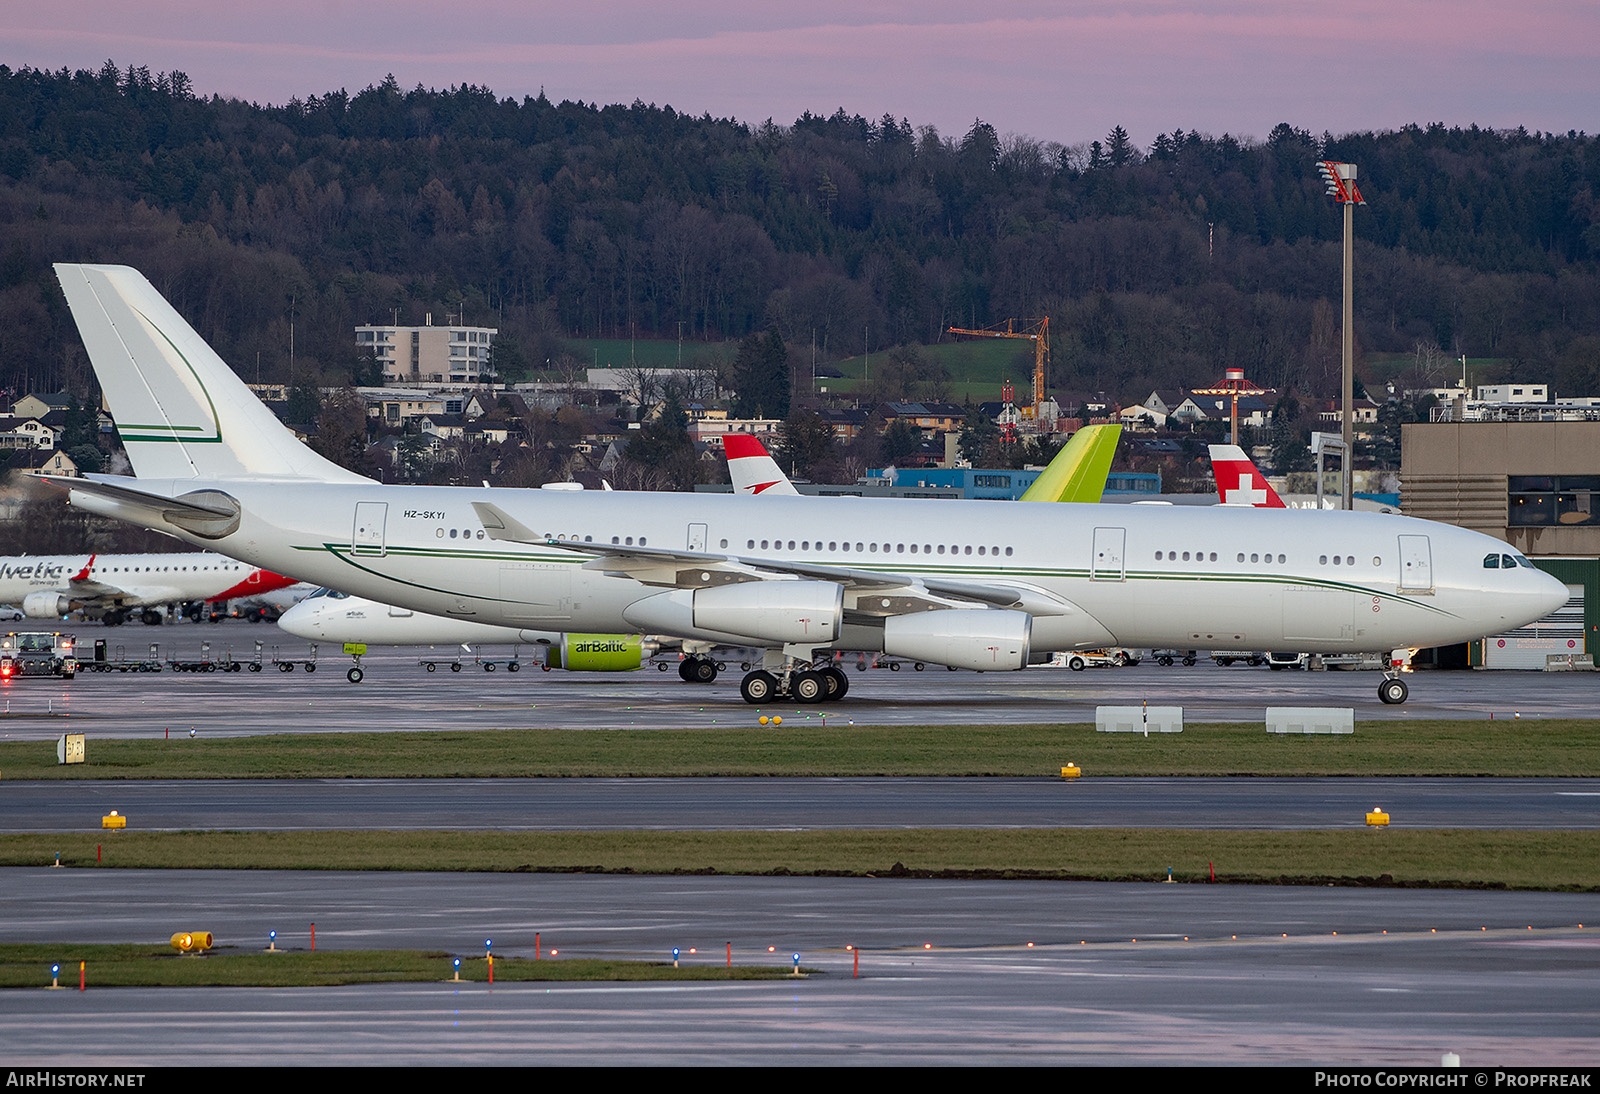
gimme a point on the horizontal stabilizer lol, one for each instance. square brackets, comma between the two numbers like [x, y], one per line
[209, 514]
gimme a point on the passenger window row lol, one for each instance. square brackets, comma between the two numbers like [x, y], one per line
[838, 547]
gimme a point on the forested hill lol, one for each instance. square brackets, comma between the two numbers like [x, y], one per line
[1157, 266]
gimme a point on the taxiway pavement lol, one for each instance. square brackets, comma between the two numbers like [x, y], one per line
[398, 693]
[799, 803]
[951, 972]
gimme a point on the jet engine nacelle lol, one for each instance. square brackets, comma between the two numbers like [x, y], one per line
[45, 605]
[766, 611]
[983, 639]
[597, 652]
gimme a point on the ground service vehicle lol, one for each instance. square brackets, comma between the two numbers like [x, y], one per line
[37, 653]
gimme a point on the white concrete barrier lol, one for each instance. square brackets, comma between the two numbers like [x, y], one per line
[1138, 719]
[1311, 720]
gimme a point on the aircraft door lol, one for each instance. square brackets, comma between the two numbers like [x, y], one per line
[697, 537]
[1416, 564]
[1106, 565]
[366, 538]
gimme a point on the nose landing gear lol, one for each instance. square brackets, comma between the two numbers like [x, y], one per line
[1392, 690]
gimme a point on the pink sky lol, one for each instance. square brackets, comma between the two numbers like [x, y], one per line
[1054, 70]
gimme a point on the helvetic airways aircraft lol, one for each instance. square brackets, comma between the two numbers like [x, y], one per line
[968, 584]
[111, 587]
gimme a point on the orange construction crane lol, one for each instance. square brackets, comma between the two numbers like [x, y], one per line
[1036, 329]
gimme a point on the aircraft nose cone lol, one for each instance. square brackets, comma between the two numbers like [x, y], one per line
[1552, 595]
[299, 624]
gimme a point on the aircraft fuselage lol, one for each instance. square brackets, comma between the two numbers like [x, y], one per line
[1143, 576]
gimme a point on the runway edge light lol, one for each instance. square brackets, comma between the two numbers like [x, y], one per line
[1377, 818]
[1071, 771]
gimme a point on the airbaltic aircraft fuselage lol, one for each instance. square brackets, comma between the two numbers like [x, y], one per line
[968, 584]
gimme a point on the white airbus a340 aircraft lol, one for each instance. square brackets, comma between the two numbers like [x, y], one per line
[112, 587]
[968, 584]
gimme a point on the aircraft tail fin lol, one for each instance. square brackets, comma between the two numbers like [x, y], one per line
[1078, 473]
[752, 468]
[1238, 481]
[180, 410]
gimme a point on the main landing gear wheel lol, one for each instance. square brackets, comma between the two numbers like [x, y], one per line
[758, 687]
[697, 670]
[808, 687]
[1393, 690]
[836, 680]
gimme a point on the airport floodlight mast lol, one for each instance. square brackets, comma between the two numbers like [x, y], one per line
[1234, 385]
[1340, 180]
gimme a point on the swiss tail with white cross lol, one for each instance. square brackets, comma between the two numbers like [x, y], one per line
[1238, 481]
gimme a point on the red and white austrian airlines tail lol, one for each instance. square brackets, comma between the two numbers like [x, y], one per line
[751, 469]
[1238, 481]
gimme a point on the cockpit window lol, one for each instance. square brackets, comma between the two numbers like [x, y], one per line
[1491, 562]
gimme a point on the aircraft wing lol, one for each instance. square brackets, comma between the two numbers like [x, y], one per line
[92, 590]
[894, 593]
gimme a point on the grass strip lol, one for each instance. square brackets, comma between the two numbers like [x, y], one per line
[27, 965]
[1441, 857]
[1569, 747]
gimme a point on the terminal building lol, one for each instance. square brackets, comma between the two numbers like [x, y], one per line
[1534, 484]
[996, 484]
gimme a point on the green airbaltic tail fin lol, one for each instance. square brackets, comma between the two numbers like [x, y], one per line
[1078, 473]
